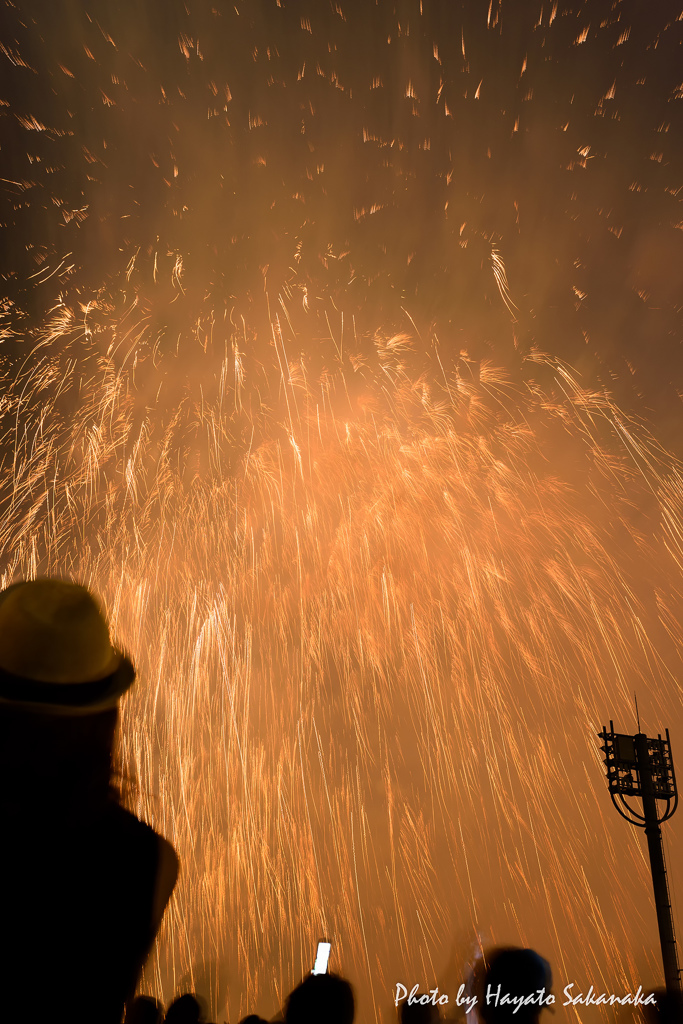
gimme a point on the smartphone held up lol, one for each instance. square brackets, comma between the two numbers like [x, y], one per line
[321, 958]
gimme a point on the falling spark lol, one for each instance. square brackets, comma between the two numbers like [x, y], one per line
[379, 609]
[376, 630]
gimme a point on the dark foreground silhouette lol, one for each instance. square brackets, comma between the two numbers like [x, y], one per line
[321, 997]
[510, 974]
[85, 883]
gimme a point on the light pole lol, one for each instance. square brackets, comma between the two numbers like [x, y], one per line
[640, 766]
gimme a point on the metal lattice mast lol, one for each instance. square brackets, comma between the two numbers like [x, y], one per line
[641, 767]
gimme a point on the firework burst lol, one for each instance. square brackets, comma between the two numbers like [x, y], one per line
[379, 614]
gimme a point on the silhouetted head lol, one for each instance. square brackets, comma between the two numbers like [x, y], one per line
[56, 656]
[60, 681]
[321, 997]
[144, 1010]
[419, 1013]
[668, 1009]
[253, 1018]
[512, 975]
[185, 1009]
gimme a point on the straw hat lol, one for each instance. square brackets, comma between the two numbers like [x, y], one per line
[55, 653]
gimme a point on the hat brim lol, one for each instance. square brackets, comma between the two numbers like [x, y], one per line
[66, 699]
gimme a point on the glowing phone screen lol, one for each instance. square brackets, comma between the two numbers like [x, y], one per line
[321, 958]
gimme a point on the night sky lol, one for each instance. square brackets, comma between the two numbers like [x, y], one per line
[405, 142]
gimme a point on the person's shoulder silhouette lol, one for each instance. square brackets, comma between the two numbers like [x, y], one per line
[419, 1013]
[186, 1009]
[144, 1010]
[667, 1008]
[89, 881]
[321, 997]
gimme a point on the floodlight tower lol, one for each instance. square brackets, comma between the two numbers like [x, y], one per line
[640, 766]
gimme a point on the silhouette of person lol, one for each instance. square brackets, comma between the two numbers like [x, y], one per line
[511, 973]
[321, 997]
[85, 883]
[144, 1010]
[668, 1009]
[186, 1009]
[417, 1013]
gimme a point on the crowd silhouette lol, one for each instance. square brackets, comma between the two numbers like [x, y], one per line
[85, 883]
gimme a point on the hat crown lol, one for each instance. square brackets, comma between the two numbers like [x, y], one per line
[54, 631]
